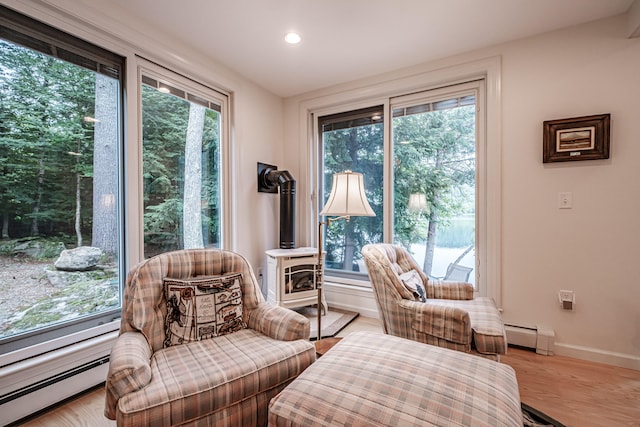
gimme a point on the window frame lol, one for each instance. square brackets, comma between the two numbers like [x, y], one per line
[145, 67]
[375, 93]
[345, 276]
[477, 88]
[41, 37]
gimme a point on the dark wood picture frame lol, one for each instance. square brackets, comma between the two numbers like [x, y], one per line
[578, 138]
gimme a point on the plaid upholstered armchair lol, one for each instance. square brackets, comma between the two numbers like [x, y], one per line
[198, 344]
[444, 314]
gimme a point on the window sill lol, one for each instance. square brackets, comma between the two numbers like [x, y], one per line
[57, 344]
[345, 296]
[335, 280]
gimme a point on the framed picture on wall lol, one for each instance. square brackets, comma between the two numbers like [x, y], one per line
[578, 138]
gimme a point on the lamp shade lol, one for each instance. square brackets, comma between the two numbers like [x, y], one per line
[347, 196]
[417, 202]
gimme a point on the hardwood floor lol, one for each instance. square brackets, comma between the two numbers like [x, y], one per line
[577, 392]
[85, 410]
[574, 392]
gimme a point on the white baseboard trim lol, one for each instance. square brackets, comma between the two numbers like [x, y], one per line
[34, 384]
[45, 397]
[595, 355]
[352, 298]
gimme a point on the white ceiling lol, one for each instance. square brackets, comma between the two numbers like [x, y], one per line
[344, 40]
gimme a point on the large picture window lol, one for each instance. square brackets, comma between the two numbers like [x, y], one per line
[434, 180]
[421, 169]
[183, 142]
[60, 183]
[352, 141]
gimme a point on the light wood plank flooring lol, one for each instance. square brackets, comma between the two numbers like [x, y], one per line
[575, 392]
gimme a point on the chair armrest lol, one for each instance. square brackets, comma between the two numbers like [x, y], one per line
[129, 369]
[445, 322]
[440, 289]
[279, 323]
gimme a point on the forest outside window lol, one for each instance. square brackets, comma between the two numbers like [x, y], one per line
[421, 178]
[352, 141]
[183, 134]
[434, 151]
[60, 183]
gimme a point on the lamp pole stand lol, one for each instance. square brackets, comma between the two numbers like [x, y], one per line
[319, 278]
[347, 199]
[320, 270]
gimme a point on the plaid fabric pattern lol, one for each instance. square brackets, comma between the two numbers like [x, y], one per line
[489, 335]
[447, 322]
[450, 318]
[230, 378]
[439, 289]
[370, 379]
[129, 369]
[278, 323]
[202, 377]
[144, 307]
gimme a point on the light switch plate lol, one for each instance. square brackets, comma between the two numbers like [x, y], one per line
[565, 200]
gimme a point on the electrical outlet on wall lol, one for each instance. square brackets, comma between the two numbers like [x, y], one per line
[260, 276]
[567, 299]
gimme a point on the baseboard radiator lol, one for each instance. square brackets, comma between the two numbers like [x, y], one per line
[541, 339]
[35, 384]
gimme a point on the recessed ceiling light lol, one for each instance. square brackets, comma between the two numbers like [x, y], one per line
[292, 38]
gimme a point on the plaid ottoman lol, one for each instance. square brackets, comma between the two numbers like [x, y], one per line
[371, 379]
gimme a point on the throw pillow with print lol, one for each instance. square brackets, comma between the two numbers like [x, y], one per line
[202, 307]
[413, 282]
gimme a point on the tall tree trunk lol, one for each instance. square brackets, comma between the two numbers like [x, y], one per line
[5, 199]
[104, 234]
[430, 243]
[35, 230]
[44, 116]
[78, 225]
[191, 207]
[5, 222]
[349, 246]
[433, 224]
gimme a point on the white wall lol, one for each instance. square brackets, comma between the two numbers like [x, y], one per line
[591, 249]
[259, 136]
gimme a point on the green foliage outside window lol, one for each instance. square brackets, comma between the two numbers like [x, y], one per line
[46, 145]
[60, 141]
[165, 119]
[434, 154]
[359, 149]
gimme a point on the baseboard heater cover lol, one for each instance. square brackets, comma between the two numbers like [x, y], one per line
[35, 398]
[541, 338]
[52, 380]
